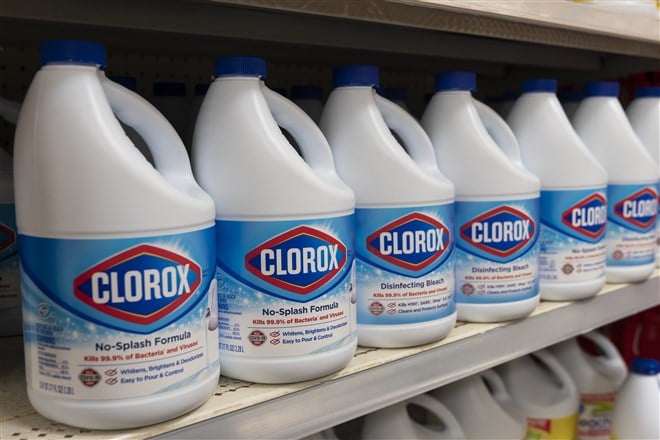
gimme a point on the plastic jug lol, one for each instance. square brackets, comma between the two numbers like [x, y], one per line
[632, 183]
[483, 407]
[545, 393]
[644, 116]
[573, 194]
[116, 268]
[395, 422]
[636, 412]
[497, 203]
[404, 215]
[309, 99]
[10, 293]
[598, 378]
[397, 95]
[284, 231]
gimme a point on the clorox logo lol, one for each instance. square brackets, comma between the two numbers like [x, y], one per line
[414, 241]
[140, 285]
[501, 232]
[587, 217]
[639, 209]
[7, 237]
[298, 261]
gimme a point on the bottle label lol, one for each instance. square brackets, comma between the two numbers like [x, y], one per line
[631, 231]
[595, 420]
[497, 255]
[9, 274]
[562, 428]
[285, 286]
[657, 221]
[573, 224]
[404, 264]
[118, 318]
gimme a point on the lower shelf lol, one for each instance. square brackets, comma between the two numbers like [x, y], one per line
[374, 378]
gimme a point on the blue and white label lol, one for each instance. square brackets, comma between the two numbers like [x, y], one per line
[405, 264]
[573, 224]
[631, 224]
[285, 287]
[10, 302]
[497, 251]
[119, 318]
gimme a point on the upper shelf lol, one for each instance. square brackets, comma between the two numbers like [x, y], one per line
[560, 33]
[373, 379]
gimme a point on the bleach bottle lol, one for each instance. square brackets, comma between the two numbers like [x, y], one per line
[637, 408]
[116, 267]
[10, 290]
[573, 194]
[405, 421]
[497, 203]
[545, 393]
[483, 407]
[597, 377]
[284, 231]
[404, 217]
[644, 116]
[632, 199]
[309, 99]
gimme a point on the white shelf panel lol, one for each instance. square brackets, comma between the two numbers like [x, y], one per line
[375, 377]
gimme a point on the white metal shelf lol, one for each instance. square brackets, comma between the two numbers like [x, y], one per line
[375, 377]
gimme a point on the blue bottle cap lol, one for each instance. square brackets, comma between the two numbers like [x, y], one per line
[164, 88]
[646, 366]
[647, 92]
[540, 86]
[394, 93]
[127, 81]
[365, 75]
[240, 66]
[73, 51]
[602, 88]
[465, 81]
[307, 92]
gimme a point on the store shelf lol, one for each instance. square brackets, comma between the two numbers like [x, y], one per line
[375, 377]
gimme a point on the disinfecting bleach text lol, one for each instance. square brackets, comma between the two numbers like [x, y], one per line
[116, 267]
[10, 290]
[632, 200]
[573, 196]
[404, 236]
[284, 231]
[644, 116]
[497, 203]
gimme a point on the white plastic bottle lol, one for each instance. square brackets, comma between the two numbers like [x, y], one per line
[397, 95]
[573, 194]
[284, 231]
[309, 99]
[597, 378]
[10, 289]
[644, 116]
[545, 393]
[404, 216]
[483, 407]
[632, 183]
[116, 267]
[395, 422]
[637, 407]
[497, 203]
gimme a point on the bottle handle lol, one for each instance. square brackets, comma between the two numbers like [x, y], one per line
[499, 130]
[612, 363]
[169, 154]
[555, 367]
[452, 427]
[496, 384]
[417, 142]
[9, 110]
[308, 135]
